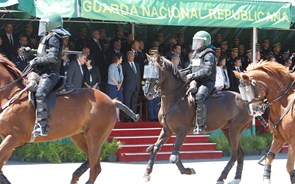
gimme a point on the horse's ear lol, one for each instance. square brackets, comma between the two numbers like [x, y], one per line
[148, 56]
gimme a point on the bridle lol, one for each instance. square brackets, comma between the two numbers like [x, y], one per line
[257, 105]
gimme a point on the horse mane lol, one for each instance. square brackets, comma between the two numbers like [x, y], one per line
[10, 66]
[273, 68]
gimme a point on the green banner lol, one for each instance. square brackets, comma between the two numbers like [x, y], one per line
[66, 8]
[209, 13]
[5, 3]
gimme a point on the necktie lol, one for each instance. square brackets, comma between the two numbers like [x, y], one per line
[10, 40]
[98, 44]
[133, 67]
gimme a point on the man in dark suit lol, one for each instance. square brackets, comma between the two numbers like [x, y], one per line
[131, 82]
[97, 52]
[21, 60]
[114, 49]
[74, 78]
[234, 81]
[9, 41]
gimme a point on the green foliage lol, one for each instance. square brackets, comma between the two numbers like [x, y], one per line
[58, 152]
[110, 149]
[250, 144]
[221, 144]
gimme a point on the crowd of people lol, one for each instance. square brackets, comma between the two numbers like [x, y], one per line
[115, 64]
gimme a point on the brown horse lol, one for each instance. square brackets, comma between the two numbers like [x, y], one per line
[87, 116]
[177, 113]
[269, 84]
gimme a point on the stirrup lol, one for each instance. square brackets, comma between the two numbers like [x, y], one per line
[199, 130]
[39, 130]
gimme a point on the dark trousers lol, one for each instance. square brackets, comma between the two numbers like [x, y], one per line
[130, 99]
[153, 108]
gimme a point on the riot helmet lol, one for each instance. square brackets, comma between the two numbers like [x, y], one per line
[201, 40]
[49, 23]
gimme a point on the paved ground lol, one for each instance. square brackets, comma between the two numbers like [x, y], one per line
[207, 172]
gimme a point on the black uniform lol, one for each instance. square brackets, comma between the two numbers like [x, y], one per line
[47, 65]
[204, 73]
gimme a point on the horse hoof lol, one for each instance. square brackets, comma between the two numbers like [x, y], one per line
[219, 182]
[146, 178]
[192, 171]
[188, 171]
[235, 181]
[266, 181]
[173, 159]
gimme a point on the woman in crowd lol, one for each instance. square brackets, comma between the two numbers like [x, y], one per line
[92, 77]
[115, 80]
[222, 80]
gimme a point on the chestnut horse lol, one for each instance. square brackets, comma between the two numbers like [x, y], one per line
[270, 84]
[87, 116]
[177, 116]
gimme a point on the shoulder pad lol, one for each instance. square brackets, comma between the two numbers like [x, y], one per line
[61, 32]
[206, 51]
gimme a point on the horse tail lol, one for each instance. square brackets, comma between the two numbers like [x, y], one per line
[126, 109]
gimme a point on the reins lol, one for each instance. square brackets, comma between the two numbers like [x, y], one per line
[15, 97]
[275, 125]
[171, 108]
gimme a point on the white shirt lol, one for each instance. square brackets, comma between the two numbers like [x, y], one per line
[81, 69]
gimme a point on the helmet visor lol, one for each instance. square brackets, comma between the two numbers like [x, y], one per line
[197, 43]
[42, 27]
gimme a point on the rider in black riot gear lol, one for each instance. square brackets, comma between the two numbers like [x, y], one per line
[203, 72]
[47, 65]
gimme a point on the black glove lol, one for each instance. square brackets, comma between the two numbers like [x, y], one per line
[189, 76]
[34, 62]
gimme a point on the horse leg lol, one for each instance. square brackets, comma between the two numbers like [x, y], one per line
[174, 158]
[163, 137]
[276, 146]
[234, 155]
[6, 149]
[290, 161]
[80, 141]
[3, 179]
[94, 148]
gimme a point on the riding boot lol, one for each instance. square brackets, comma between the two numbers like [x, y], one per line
[201, 114]
[41, 127]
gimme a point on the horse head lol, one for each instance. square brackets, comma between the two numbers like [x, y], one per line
[262, 84]
[151, 75]
[156, 73]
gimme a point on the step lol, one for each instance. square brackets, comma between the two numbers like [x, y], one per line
[284, 149]
[141, 148]
[184, 155]
[135, 131]
[152, 139]
[137, 125]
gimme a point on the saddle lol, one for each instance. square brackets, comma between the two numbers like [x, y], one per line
[58, 90]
